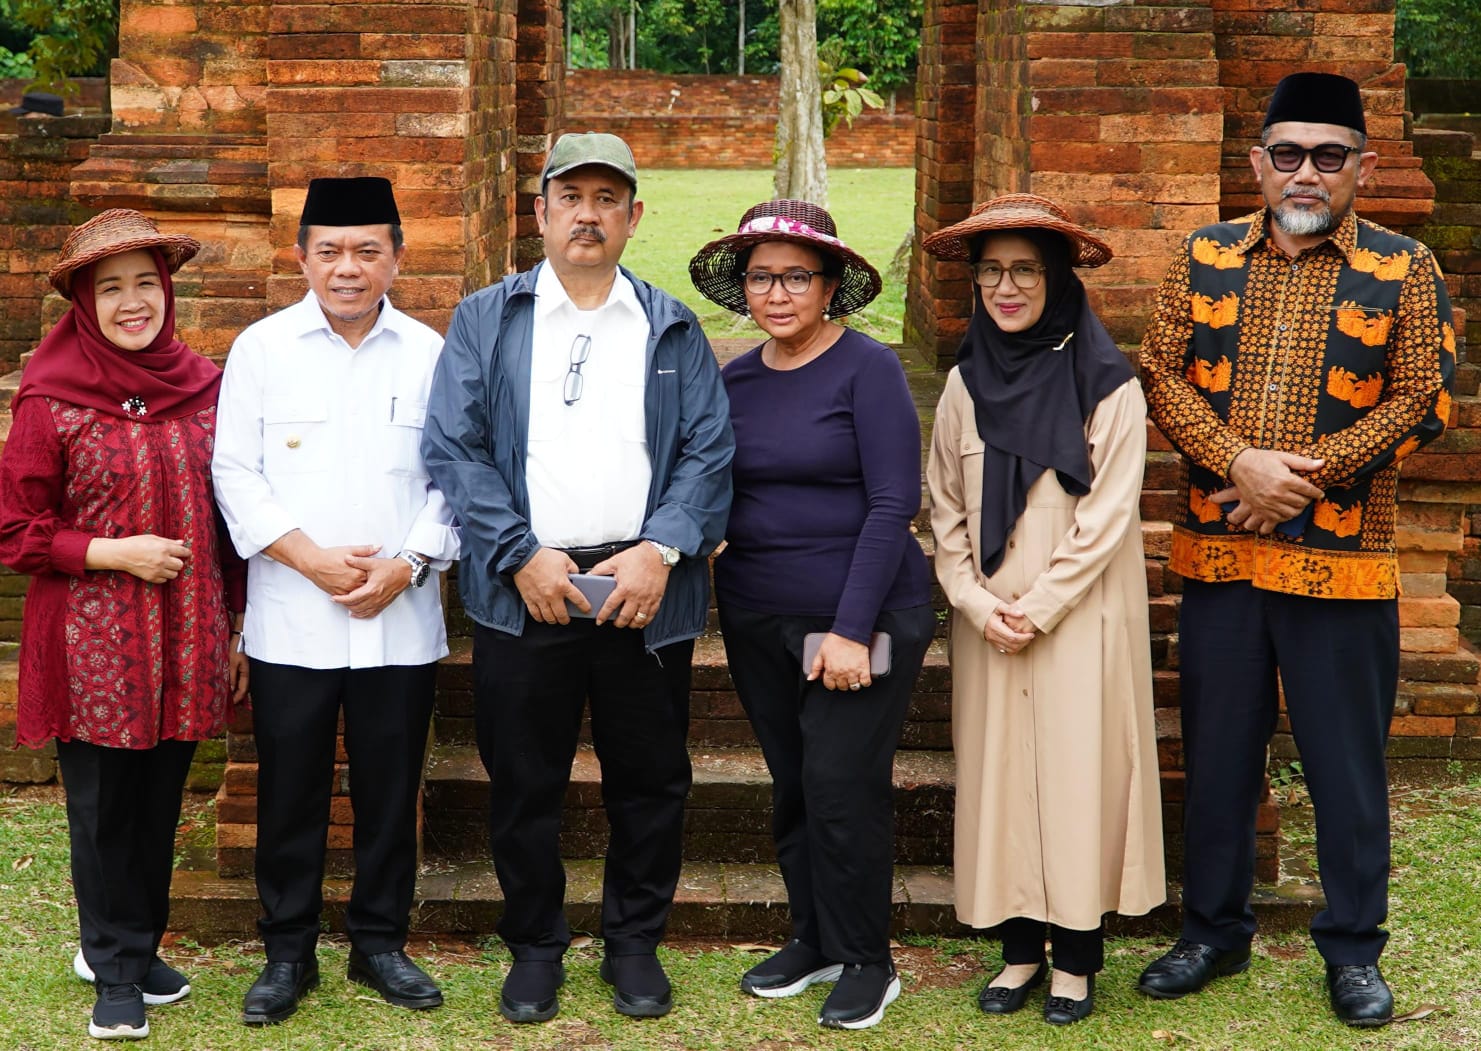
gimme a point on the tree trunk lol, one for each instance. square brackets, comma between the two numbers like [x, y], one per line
[616, 39]
[740, 41]
[801, 166]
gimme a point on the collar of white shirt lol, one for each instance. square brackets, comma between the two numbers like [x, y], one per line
[550, 294]
[307, 316]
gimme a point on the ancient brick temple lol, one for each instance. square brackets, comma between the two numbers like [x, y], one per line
[1137, 116]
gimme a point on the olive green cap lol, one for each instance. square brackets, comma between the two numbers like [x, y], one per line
[577, 149]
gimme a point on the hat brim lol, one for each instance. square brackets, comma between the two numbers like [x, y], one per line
[177, 250]
[955, 241]
[716, 274]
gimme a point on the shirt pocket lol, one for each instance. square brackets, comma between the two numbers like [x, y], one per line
[970, 449]
[402, 437]
[631, 416]
[296, 438]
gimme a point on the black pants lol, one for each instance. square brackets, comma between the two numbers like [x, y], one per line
[295, 711]
[122, 808]
[1075, 952]
[529, 693]
[1337, 660]
[831, 756]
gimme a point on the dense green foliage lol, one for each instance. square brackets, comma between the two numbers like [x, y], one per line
[1439, 38]
[879, 37]
[47, 41]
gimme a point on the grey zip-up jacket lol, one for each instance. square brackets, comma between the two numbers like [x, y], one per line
[474, 441]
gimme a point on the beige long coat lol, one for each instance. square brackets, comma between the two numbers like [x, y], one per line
[1058, 813]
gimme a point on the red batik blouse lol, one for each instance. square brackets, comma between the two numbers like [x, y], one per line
[106, 657]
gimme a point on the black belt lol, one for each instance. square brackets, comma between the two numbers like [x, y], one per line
[586, 557]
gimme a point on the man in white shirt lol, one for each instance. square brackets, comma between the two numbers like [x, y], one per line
[577, 424]
[320, 477]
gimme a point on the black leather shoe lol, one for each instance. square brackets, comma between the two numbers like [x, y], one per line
[396, 978]
[1004, 999]
[275, 994]
[640, 988]
[1359, 995]
[1188, 966]
[1061, 1010]
[530, 987]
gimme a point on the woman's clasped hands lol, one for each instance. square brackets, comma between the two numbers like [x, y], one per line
[1008, 629]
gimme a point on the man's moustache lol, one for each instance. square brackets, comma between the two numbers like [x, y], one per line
[1306, 191]
[593, 232]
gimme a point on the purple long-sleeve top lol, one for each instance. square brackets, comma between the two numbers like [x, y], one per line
[827, 479]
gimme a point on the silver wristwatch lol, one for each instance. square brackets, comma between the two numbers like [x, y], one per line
[670, 555]
[421, 569]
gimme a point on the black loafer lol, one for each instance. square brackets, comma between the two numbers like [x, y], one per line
[1004, 1000]
[396, 978]
[1188, 966]
[529, 992]
[1061, 1010]
[1359, 995]
[275, 994]
[640, 988]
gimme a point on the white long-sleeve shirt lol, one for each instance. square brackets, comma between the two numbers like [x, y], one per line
[312, 434]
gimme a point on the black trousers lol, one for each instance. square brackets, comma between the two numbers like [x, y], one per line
[831, 757]
[1075, 952]
[529, 693]
[1338, 663]
[123, 805]
[295, 712]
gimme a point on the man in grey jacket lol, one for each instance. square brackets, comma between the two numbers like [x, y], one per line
[577, 425]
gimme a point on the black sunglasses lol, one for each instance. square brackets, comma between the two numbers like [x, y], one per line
[1329, 157]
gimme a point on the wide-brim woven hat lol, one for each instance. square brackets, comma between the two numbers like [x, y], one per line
[111, 232]
[1015, 211]
[715, 268]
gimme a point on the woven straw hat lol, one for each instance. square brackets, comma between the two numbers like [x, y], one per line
[715, 268]
[111, 232]
[1014, 211]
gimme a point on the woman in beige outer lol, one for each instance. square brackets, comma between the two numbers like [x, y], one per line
[1035, 474]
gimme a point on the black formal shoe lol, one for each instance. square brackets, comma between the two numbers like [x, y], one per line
[1004, 999]
[858, 1001]
[530, 987]
[640, 988]
[1061, 1010]
[1359, 995]
[789, 972]
[396, 978]
[1188, 966]
[275, 994]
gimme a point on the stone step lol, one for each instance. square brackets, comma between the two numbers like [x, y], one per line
[716, 718]
[727, 818]
[735, 901]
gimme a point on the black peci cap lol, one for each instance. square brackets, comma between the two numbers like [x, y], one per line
[1317, 98]
[362, 201]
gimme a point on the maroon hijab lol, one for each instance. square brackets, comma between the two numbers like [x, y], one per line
[76, 363]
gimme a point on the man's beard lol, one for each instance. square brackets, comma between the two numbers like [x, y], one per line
[1306, 222]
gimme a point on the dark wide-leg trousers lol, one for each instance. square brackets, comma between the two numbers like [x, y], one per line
[123, 805]
[831, 756]
[1338, 662]
[295, 713]
[1075, 952]
[529, 694]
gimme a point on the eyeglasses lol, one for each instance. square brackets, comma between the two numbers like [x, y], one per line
[1025, 275]
[1329, 157]
[580, 351]
[759, 282]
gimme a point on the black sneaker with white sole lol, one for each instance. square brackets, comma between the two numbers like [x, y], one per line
[789, 971]
[118, 1013]
[858, 1001]
[162, 985]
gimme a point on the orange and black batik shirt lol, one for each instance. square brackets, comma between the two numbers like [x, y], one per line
[1345, 353]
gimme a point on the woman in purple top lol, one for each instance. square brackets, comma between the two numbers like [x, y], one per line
[827, 479]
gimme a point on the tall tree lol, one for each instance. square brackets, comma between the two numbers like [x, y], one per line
[801, 166]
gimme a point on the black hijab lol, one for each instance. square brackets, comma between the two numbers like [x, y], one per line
[1032, 392]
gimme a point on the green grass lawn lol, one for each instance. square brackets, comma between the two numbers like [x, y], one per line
[1279, 1005]
[684, 210]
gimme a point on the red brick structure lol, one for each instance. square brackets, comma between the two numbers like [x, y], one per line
[691, 121]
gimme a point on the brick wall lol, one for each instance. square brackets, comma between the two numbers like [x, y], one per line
[937, 302]
[692, 121]
[541, 104]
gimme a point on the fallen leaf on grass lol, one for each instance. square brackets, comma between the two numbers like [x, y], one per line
[1170, 1036]
[1422, 1011]
[581, 941]
[22, 863]
[753, 947]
